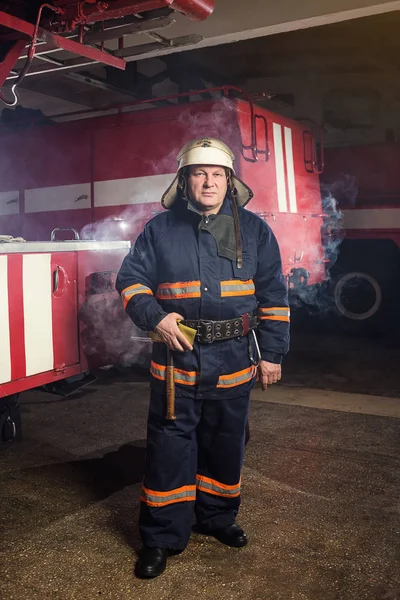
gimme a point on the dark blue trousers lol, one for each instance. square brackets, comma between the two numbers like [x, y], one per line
[193, 466]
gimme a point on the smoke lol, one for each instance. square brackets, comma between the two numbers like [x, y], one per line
[336, 196]
[215, 121]
[218, 111]
[123, 225]
[108, 336]
[344, 190]
[333, 231]
[317, 300]
[191, 123]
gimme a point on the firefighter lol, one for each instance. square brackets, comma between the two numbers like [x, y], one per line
[215, 267]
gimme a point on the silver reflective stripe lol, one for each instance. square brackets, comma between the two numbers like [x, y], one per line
[237, 287]
[185, 377]
[157, 372]
[184, 495]
[276, 312]
[225, 382]
[214, 487]
[167, 293]
[132, 291]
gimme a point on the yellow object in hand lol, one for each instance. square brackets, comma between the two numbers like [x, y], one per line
[188, 332]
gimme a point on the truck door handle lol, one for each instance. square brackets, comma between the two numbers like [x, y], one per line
[56, 279]
[54, 232]
[60, 281]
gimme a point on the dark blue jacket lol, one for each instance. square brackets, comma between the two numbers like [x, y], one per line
[175, 267]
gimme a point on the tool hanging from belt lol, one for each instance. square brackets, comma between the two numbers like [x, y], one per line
[170, 387]
[190, 335]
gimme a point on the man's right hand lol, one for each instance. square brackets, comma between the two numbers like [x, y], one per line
[171, 334]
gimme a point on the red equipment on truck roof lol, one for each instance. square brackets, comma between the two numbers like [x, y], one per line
[32, 30]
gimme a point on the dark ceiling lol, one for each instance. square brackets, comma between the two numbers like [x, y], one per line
[365, 45]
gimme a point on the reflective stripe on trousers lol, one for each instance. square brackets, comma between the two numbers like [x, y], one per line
[192, 464]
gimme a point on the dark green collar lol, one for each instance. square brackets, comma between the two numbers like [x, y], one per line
[222, 227]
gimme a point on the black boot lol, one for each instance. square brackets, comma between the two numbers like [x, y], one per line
[151, 562]
[233, 535]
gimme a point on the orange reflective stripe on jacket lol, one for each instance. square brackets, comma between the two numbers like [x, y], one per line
[236, 287]
[216, 488]
[234, 379]
[275, 313]
[180, 376]
[192, 377]
[186, 493]
[132, 290]
[180, 289]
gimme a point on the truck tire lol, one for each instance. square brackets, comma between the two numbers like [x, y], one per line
[364, 303]
[10, 421]
[357, 296]
[365, 286]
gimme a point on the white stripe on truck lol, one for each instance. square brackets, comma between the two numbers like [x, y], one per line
[60, 197]
[280, 168]
[38, 322]
[133, 190]
[5, 349]
[290, 170]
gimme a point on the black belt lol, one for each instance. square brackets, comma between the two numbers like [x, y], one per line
[215, 331]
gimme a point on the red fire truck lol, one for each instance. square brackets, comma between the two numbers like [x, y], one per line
[104, 176]
[58, 316]
[365, 182]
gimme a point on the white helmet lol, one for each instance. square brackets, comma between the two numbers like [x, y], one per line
[207, 151]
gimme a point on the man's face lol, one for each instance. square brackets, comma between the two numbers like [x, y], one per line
[207, 187]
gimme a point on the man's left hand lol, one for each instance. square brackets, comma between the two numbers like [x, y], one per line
[268, 373]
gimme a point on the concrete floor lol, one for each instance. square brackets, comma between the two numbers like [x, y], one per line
[320, 504]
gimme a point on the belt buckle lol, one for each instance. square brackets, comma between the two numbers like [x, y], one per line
[207, 332]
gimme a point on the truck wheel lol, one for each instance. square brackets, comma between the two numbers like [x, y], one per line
[365, 286]
[10, 421]
[364, 303]
[357, 296]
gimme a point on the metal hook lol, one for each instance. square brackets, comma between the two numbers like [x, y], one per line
[255, 362]
[15, 101]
